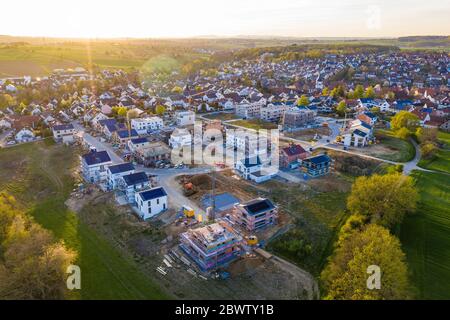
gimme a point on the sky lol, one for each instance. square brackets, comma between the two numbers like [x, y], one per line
[189, 18]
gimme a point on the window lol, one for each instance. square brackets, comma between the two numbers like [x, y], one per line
[157, 201]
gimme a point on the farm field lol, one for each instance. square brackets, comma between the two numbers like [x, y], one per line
[40, 60]
[40, 176]
[425, 237]
[441, 161]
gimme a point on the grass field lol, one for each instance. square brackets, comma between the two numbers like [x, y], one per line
[441, 161]
[396, 149]
[425, 237]
[39, 60]
[221, 116]
[318, 214]
[255, 124]
[39, 176]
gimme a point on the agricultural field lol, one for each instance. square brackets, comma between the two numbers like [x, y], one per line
[41, 59]
[441, 161]
[41, 176]
[425, 237]
[389, 147]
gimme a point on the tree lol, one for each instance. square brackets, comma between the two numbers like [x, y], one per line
[177, 89]
[403, 133]
[369, 93]
[32, 264]
[325, 91]
[358, 93]
[384, 199]
[341, 108]
[428, 150]
[160, 109]
[303, 101]
[427, 135]
[346, 275]
[405, 119]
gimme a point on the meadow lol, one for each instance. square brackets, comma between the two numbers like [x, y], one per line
[40, 176]
[441, 161]
[425, 237]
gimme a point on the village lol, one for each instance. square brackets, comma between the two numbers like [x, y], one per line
[280, 122]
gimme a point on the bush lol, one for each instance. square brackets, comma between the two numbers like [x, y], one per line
[428, 150]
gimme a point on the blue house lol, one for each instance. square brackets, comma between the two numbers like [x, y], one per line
[316, 166]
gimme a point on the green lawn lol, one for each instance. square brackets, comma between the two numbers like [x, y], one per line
[400, 150]
[318, 216]
[255, 124]
[39, 176]
[441, 161]
[425, 237]
[221, 116]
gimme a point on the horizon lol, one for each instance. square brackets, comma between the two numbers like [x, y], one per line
[176, 19]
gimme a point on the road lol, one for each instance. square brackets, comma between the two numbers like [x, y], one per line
[165, 177]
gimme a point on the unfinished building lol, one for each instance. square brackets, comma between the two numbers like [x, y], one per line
[255, 214]
[211, 246]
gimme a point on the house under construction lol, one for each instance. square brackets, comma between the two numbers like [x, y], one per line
[211, 246]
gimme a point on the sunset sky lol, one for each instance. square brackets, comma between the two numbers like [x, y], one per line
[183, 18]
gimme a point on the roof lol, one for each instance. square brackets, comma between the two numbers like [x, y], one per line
[318, 159]
[125, 134]
[139, 140]
[152, 194]
[135, 178]
[63, 127]
[94, 157]
[293, 150]
[222, 201]
[251, 162]
[120, 168]
[359, 133]
[258, 206]
[106, 122]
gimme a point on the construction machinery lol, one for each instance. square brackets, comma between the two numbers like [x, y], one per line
[188, 212]
[252, 240]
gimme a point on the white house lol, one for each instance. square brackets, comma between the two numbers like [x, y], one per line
[180, 137]
[94, 165]
[137, 143]
[151, 202]
[145, 125]
[25, 135]
[5, 124]
[115, 172]
[185, 118]
[64, 133]
[132, 183]
[251, 168]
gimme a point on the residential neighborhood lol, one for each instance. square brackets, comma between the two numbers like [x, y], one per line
[260, 169]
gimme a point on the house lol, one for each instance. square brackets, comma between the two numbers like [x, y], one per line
[245, 167]
[64, 133]
[132, 183]
[185, 118]
[24, 135]
[145, 125]
[180, 137]
[137, 143]
[151, 202]
[316, 166]
[94, 165]
[212, 246]
[115, 172]
[150, 154]
[5, 124]
[123, 136]
[255, 214]
[368, 117]
[295, 118]
[290, 156]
